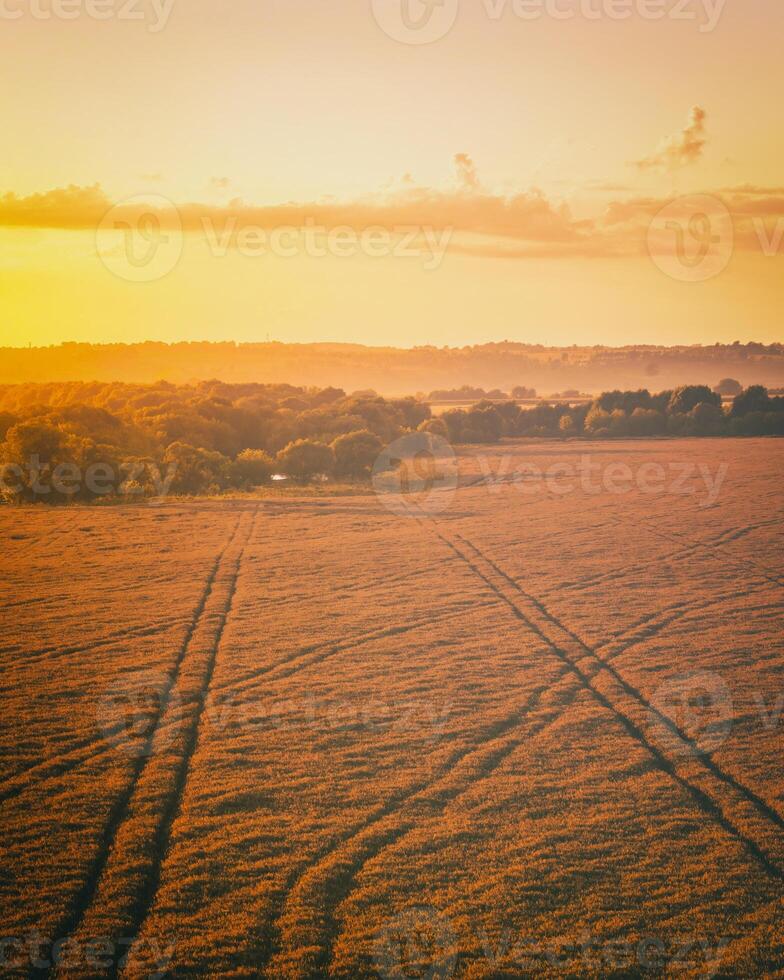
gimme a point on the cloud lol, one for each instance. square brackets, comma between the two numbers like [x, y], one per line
[219, 183]
[466, 172]
[607, 187]
[521, 225]
[64, 207]
[752, 190]
[681, 149]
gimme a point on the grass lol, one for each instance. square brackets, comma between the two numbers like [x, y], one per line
[324, 740]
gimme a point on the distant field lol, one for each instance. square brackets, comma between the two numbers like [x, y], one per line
[438, 408]
[534, 728]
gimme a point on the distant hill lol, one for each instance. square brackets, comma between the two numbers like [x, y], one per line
[392, 371]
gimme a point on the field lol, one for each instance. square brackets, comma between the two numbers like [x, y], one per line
[529, 726]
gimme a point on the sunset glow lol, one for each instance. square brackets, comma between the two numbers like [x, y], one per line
[543, 144]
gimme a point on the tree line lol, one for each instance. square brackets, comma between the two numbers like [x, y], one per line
[691, 410]
[209, 437]
[212, 436]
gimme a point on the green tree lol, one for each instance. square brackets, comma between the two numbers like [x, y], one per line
[706, 420]
[728, 387]
[647, 422]
[305, 459]
[6, 422]
[196, 470]
[34, 451]
[355, 454]
[567, 425]
[436, 427]
[598, 421]
[685, 398]
[753, 399]
[253, 467]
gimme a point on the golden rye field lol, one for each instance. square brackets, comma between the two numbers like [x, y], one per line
[536, 732]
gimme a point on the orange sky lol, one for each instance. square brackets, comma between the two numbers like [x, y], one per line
[535, 152]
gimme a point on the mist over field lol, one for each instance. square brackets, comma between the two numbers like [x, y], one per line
[399, 372]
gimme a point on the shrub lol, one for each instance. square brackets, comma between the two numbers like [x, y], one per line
[647, 422]
[253, 467]
[706, 420]
[628, 401]
[436, 427]
[355, 454]
[196, 470]
[753, 399]
[305, 459]
[6, 422]
[684, 399]
[38, 449]
[619, 422]
[758, 424]
[597, 420]
[486, 422]
[728, 387]
[567, 425]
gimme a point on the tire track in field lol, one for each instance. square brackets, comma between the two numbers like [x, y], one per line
[763, 571]
[67, 524]
[48, 655]
[74, 917]
[643, 634]
[341, 886]
[373, 832]
[347, 885]
[563, 705]
[58, 765]
[679, 554]
[83, 752]
[696, 774]
[383, 582]
[35, 600]
[371, 836]
[602, 665]
[309, 656]
[107, 591]
[651, 625]
[139, 904]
